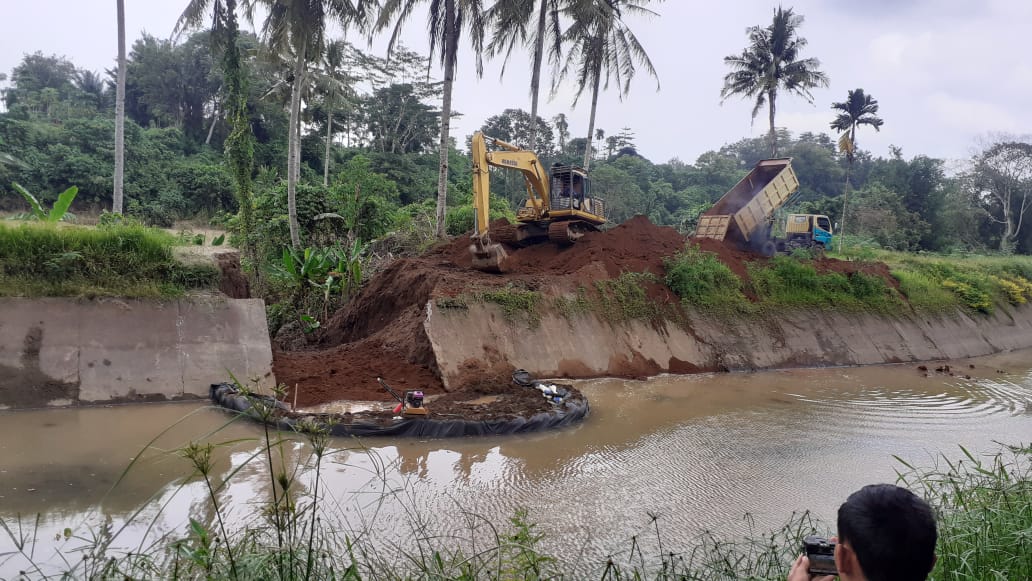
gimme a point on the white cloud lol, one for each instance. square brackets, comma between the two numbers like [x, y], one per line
[901, 51]
[1020, 80]
[969, 115]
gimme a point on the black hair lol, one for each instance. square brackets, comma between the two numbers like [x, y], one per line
[891, 530]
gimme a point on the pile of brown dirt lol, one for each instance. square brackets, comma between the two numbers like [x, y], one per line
[637, 245]
[380, 332]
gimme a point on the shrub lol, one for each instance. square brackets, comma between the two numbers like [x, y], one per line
[701, 279]
[785, 281]
[625, 298]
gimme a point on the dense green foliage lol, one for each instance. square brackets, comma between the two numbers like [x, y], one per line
[58, 126]
[129, 261]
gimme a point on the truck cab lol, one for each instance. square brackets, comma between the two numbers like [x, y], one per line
[806, 231]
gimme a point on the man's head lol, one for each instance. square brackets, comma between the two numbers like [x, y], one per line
[889, 532]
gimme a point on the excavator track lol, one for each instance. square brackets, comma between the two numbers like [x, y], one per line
[505, 235]
[564, 233]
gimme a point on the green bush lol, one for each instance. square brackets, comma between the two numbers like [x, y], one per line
[785, 281]
[206, 185]
[459, 219]
[701, 279]
[625, 298]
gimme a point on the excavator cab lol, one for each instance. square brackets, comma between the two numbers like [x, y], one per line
[571, 190]
[569, 187]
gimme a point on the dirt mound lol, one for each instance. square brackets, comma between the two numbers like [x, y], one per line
[637, 245]
[380, 333]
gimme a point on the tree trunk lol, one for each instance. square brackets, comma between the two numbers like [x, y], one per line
[594, 109]
[451, 47]
[771, 95]
[1007, 240]
[535, 80]
[845, 192]
[293, 153]
[297, 133]
[116, 205]
[845, 203]
[214, 120]
[329, 139]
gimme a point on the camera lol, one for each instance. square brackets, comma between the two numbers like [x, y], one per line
[821, 553]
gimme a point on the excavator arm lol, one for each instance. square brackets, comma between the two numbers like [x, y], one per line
[487, 255]
[509, 157]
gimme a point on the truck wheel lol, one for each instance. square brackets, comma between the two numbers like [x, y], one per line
[768, 249]
[817, 251]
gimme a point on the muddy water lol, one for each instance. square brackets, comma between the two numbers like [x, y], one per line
[698, 451]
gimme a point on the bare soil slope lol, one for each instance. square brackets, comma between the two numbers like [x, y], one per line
[380, 332]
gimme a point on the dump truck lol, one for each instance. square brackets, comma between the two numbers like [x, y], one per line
[744, 216]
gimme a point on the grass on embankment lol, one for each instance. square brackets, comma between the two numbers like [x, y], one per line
[41, 260]
[937, 284]
[945, 283]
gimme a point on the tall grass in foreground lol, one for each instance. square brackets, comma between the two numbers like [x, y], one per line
[985, 513]
[128, 261]
[298, 531]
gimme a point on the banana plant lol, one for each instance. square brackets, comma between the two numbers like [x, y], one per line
[57, 212]
[349, 269]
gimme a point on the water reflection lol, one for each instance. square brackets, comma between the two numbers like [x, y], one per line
[697, 451]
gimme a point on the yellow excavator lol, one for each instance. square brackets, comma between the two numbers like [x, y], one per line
[559, 207]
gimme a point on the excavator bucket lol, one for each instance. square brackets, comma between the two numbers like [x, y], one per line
[487, 256]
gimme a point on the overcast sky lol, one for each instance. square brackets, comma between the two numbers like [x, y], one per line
[945, 72]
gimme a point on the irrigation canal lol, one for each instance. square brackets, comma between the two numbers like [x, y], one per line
[700, 452]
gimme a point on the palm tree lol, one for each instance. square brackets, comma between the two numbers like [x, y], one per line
[771, 62]
[93, 87]
[448, 19]
[512, 21]
[858, 109]
[334, 82]
[299, 26]
[602, 47]
[116, 205]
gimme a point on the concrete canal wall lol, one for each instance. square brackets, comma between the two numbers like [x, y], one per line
[57, 352]
[586, 346]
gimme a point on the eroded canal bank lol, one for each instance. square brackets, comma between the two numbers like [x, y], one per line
[699, 451]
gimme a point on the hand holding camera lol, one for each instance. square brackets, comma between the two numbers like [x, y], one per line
[821, 554]
[817, 562]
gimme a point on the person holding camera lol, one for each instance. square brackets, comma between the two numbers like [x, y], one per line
[885, 533]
